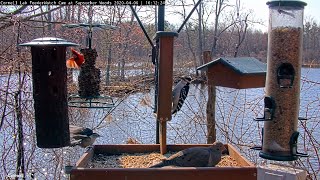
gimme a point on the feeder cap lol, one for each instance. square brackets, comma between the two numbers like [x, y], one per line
[294, 3]
[165, 34]
[49, 41]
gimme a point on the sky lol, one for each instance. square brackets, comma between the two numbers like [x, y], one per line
[261, 11]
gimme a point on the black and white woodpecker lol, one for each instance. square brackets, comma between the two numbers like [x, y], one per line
[81, 136]
[180, 93]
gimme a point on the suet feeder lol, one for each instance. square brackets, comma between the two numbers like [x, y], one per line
[239, 73]
[284, 60]
[89, 78]
[89, 85]
[49, 75]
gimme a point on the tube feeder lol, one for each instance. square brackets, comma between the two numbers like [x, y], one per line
[165, 84]
[49, 77]
[284, 60]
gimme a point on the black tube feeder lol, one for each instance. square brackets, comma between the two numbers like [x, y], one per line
[281, 113]
[49, 77]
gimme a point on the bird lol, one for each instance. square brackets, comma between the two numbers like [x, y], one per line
[195, 157]
[180, 93]
[76, 60]
[83, 137]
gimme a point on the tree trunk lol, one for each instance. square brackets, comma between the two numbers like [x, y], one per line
[79, 13]
[219, 8]
[242, 31]
[49, 20]
[200, 38]
[108, 65]
[122, 62]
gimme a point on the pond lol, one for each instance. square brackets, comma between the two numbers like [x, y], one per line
[133, 117]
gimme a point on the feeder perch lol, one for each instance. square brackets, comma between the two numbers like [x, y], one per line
[284, 61]
[104, 102]
[239, 73]
[269, 108]
[258, 147]
[90, 28]
[49, 76]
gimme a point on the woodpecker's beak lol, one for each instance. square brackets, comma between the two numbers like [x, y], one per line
[187, 78]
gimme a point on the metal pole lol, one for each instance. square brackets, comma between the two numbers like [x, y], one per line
[161, 14]
[141, 25]
[184, 22]
[161, 11]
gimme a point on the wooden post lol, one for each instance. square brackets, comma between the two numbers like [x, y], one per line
[165, 84]
[49, 74]
[211, 122]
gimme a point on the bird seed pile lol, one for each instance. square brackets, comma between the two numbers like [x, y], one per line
[89, 77]
[142, 160]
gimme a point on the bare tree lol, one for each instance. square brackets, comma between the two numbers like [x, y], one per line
[242, 28]
[220, 6]
[200, 37]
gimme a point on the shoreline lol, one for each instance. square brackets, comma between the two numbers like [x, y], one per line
[311, 65]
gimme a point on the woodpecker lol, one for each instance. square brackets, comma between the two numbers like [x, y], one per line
[81, 136]
[180, 93]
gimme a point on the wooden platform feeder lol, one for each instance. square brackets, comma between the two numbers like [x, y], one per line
[49, 75]
[80, 171]
[239, 73]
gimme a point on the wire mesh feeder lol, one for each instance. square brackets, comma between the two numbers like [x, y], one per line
[89, 78]
[91, 102]
[89, 85]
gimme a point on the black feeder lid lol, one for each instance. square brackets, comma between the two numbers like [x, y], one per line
[294, 3]
[49, 41]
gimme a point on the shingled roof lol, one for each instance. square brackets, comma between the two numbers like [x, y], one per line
[242, 65]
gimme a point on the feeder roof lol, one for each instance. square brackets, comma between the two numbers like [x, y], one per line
[242, 65]
[49, 41]
[297, 3]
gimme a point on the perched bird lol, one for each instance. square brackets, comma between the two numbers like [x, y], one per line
[76, 60]
[81, 136]
[195, 157]
[180, 93]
